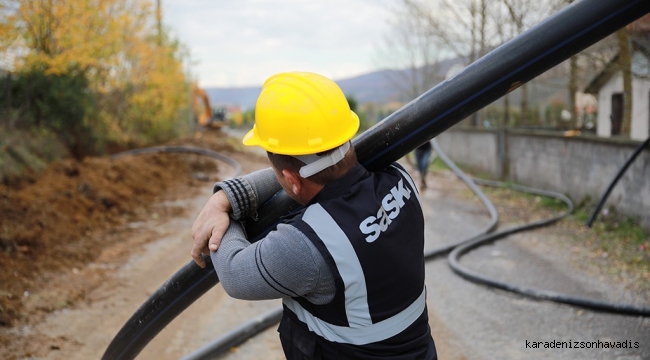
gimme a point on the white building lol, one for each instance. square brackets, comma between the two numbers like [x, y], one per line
[608, 88]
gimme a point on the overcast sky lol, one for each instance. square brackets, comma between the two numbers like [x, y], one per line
[243, 42]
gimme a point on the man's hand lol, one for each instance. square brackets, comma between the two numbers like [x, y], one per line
[209, 226]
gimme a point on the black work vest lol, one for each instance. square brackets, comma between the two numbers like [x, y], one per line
[369, 227]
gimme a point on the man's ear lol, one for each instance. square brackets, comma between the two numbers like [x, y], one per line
[294, 180]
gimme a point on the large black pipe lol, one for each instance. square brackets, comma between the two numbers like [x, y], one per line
[530, 54]
[182, 149]
[520, 60]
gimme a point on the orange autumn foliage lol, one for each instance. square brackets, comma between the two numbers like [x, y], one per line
[134, 72]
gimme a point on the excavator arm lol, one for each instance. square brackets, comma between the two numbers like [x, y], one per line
[204, 114]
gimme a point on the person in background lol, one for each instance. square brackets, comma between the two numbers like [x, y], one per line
[349, 264]
[422, 159]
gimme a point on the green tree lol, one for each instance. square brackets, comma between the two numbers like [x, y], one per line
[58, 103]
[132, 68]
[352, 101]
[625, 63]
[249, 117]
[354, 106]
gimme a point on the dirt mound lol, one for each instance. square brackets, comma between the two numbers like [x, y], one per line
[48, 226]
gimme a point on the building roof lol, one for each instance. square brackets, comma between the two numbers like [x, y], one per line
[640, 45]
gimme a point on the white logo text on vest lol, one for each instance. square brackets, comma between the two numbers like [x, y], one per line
[389, 209]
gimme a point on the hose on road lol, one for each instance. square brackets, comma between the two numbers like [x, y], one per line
[465, 246]
[494, 215]
[516, 62]
[182, 149]
[458, 249]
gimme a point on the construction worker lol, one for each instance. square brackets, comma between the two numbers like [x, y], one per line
[349, 265]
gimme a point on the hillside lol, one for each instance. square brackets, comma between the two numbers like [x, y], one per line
[372, 87]
[382, 87]
[49, 223]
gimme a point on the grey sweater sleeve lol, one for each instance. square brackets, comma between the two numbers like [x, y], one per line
[246, 193]
[283, 264]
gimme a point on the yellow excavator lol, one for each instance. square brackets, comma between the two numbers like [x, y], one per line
[204, 114]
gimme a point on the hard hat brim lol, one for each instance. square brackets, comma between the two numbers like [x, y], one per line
[252, 138]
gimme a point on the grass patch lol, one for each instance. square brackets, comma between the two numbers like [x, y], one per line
[25, 154]
[551, 203]
[619, 237]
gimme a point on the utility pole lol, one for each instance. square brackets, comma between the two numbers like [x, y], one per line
[625, 64]
[159, 21]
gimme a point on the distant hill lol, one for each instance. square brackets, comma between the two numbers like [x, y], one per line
[245, 97]
[372, 87]
[381, 87]
[377, 86]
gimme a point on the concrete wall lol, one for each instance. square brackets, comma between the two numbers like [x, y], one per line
[576, 166]
[477, 148]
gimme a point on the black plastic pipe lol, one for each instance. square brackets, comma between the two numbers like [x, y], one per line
[528, 55]
[618, 176]
[237, 336]
[255, 326]
[494, 215]
[170, 299]
[182, 149]
[538, 294]
[251, 328]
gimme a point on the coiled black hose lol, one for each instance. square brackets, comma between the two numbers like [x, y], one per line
[182, 149]
[458, 249]
[465, 272]
[494, 215]
[259, 324]
[530, 54]
[237, 336]
[618, 176]
[468, 245]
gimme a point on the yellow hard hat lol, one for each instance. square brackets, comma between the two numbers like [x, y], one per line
[299, 113]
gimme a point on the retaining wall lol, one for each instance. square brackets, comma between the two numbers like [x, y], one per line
[578, 167]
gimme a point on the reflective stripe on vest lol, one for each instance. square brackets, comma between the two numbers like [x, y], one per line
[361, 330]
